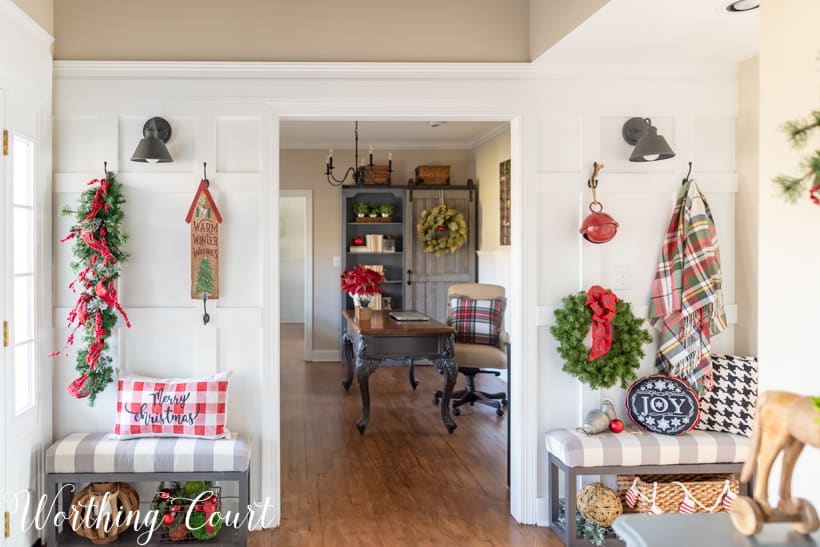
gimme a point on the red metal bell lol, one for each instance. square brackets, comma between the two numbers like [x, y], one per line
[598, 227]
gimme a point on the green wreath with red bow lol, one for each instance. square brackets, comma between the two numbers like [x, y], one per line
[442, 229]
[617, 338]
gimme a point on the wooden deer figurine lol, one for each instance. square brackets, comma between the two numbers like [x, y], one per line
[784, 422]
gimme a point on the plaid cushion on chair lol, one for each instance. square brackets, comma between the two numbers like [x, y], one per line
[185, 407]
[477, 320]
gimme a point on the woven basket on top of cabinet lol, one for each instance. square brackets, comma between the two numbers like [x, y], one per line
[709, 490]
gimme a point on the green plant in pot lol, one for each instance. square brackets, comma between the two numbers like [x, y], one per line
[386, 209]
[361, 209]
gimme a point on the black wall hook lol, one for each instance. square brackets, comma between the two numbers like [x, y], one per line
[205, 316]
[105, 168]
[686, 178]
[205, 173]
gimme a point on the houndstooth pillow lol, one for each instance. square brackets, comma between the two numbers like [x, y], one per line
[730, 406]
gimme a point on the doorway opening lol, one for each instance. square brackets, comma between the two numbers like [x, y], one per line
[296, 264]
[328, 414]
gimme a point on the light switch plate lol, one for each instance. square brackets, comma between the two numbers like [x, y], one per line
[337, 261]
[623, 278]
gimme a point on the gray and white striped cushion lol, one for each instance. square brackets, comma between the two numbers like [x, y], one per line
[102, 453]
[645, 448]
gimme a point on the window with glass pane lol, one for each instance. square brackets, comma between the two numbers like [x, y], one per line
[23, 240]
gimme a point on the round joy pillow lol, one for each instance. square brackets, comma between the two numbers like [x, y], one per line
[663, 404]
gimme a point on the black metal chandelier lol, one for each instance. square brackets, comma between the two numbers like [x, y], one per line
[358, 170]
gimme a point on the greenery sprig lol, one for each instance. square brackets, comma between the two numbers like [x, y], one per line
[793, 187]
[572, 323]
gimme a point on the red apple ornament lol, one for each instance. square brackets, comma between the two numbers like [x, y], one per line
[616, 425]
[168, 519]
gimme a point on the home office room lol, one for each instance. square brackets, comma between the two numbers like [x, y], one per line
[213, 231]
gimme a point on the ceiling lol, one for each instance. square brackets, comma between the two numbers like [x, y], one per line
[386, 135]
[660, 32]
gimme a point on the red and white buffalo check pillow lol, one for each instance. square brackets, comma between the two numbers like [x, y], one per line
[176, 407]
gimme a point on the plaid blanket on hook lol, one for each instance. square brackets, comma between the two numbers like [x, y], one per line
[687, 298]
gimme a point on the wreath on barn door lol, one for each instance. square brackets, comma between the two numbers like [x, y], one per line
[442, 229]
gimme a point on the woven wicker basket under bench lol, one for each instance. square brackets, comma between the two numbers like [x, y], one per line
[97, 457]
[642, 453]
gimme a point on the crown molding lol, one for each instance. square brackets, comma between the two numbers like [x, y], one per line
[194, 70]
[487, 136]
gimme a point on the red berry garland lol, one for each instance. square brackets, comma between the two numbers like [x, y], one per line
[99, 253]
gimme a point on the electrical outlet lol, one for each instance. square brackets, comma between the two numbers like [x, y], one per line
[337, 262]
[623, 278]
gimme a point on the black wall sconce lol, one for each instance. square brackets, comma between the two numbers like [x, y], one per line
[649, 146]
[151, 149]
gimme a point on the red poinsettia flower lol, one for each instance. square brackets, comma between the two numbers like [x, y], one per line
[361, 281]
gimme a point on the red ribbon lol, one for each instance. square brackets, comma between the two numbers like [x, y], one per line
[813, 194]
[602, 303]
[75, 388]
[209, 508]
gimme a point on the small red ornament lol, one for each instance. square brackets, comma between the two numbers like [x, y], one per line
[213, 499]
[168, 519]
[175, 508]
[358, 240]
[164, 494]
[616, 425]
[441, 228]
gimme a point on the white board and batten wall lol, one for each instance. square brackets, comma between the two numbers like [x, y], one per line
[562, 119]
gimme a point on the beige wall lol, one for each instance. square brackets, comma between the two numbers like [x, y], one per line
[284, 30]
[487, 158]
[788, 260]
[551, 20]
[303, 169]
[41, 11]
[747, 130]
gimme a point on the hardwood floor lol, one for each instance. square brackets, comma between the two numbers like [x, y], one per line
[405, 481]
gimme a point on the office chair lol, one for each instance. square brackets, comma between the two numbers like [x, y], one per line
[476, 312]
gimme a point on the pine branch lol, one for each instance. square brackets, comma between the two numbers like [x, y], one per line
[793, 187]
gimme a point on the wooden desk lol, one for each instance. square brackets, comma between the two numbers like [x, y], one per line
[703, 530]
[383, 339]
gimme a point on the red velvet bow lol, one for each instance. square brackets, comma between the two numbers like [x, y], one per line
[602, 304]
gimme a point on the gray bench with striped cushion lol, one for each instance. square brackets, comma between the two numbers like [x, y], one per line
[573, 453]
[99, 457]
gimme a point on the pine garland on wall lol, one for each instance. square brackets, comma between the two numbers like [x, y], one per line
[99, 252]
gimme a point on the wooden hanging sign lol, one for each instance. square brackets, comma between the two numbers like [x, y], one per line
[204, 218]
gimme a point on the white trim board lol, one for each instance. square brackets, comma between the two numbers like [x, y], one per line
[182, 70]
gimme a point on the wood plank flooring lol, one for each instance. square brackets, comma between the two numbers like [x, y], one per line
[405, 481]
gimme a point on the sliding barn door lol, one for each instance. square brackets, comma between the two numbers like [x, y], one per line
[428, 275]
